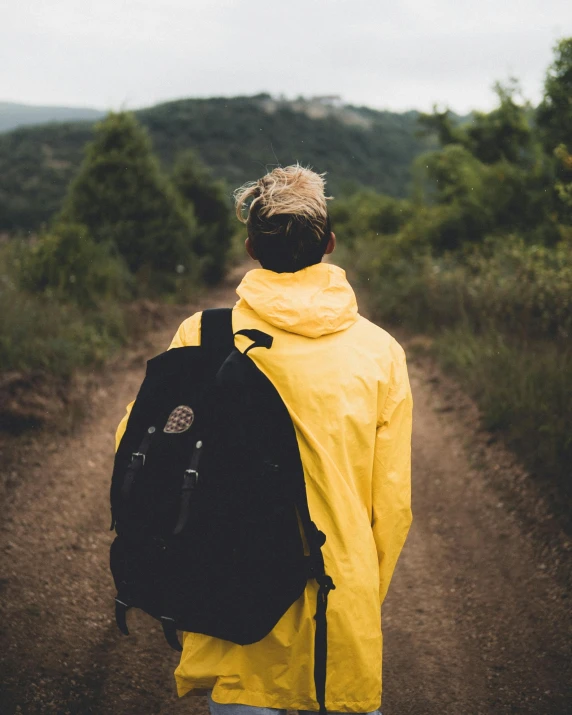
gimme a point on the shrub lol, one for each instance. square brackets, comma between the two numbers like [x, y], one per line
[39, 332]
[366, 212]
[67, 264]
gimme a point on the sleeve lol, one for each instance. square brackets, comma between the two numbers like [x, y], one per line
[188, 334]
[391, 485]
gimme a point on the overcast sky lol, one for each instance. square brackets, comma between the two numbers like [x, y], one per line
[394, 55]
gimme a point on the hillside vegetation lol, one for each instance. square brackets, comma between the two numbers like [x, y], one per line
[480, 257]
[126, 230]
[235, 137]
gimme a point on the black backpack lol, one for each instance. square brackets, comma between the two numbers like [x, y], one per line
[207, 498]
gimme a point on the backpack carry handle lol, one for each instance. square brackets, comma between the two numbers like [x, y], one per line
[259, 339]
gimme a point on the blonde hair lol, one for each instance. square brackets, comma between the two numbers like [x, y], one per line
[295, 191]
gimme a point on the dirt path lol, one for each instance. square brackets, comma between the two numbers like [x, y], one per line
[477, 620]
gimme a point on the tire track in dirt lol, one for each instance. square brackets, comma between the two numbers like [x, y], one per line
[473, 622]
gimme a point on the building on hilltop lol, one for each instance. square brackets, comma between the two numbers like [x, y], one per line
[330, 100]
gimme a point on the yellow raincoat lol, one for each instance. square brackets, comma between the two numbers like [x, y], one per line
[344, 381]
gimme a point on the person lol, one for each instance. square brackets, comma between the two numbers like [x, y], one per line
[344, 381]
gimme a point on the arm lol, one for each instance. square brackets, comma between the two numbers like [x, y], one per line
[189, 333]
[391, 487]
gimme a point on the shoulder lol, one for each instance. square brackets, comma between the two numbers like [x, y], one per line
[189, 332]
[378, 340]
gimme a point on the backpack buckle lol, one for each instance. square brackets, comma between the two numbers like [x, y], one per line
[190, 480]
[136, 455]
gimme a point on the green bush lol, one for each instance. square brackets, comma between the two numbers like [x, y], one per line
[40, 332]
[507, 285]
[366, 212]
[67, 264]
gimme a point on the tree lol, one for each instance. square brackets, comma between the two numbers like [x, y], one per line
[564, 183]
[504, 133]
[554, 114]
[211, 205]
[441, 124]
[123, 198]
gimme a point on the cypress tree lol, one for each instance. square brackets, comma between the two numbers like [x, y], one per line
[121, 195]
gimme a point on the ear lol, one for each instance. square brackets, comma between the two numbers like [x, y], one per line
[250, 249]
[331, 244]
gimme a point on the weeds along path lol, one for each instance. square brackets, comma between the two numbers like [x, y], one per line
[476, 620]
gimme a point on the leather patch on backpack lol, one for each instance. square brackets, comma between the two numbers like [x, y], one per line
[180, 419]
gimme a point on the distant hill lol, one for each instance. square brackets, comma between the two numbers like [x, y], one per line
[14, 115]
[237, 137]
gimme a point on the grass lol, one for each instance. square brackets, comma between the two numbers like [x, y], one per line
[39, 333]
[523, 390]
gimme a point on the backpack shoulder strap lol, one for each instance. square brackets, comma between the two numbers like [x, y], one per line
[216, 333]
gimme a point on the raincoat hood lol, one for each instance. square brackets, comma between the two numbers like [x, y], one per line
[315, 301]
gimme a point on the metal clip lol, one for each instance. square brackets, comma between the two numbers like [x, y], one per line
[138, 454]
[191, 479]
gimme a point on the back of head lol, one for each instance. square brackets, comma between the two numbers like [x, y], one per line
[287, 218]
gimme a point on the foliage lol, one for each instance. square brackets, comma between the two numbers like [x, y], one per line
[475, 199]
[67, 264]
[36, 166]
[212, 207]
[503, 134]
[40, 332]
[524, 391]
[367, 211]
[236, 137]
[442, 125]
[554, 115]
[564, 182]
[122, 197]
[517, 289]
